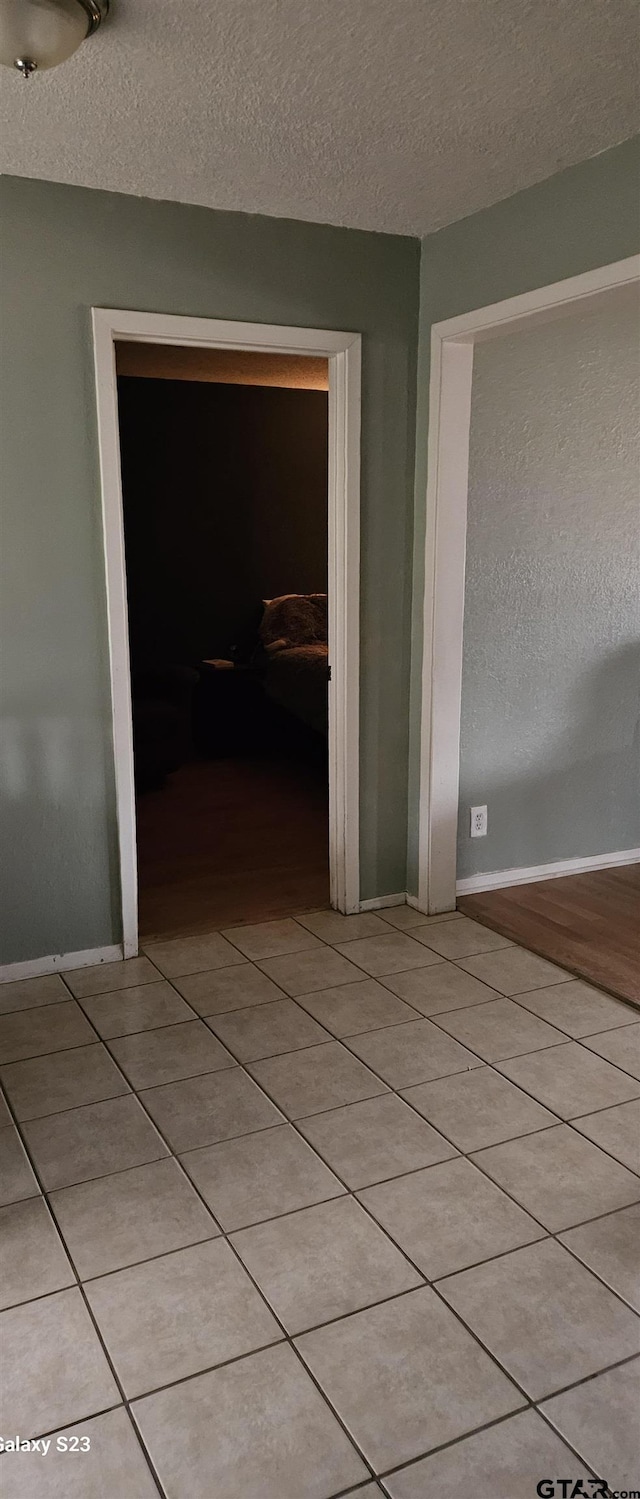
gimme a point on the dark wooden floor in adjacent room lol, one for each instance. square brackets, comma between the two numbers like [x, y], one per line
[228, 841]
[589, 923]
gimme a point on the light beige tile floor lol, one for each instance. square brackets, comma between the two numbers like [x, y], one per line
[600, 1418]
[343, 1205]
[139, 1008]
[623, 1050]
[617, 1130]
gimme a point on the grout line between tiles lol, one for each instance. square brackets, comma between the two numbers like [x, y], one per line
[58, 1051]
[125, 1400]
[186, 1077]
[105, 1411]
[589, 1035]
[552, 1233]
[87, 1280]
[548, 1233]
[619, 1068]
[165, 1025]
[588, 1379]
[225, 1363]
[560, 1117]
[288, 1338]
[540, 988]
[544, 1234]
[566, 1037]
[291, 1121]
[246, 1065]
[96, 1328]
[64, 998]
[477, 1430]
[71, 1108]
[98, 995]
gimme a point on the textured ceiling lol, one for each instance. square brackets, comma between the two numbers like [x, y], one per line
[398, 115]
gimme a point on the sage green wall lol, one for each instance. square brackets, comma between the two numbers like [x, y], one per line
[65, 249]
[584, 217]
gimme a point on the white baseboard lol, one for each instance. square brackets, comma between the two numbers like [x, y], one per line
[35, 968]
[378, 902]
[500, 879]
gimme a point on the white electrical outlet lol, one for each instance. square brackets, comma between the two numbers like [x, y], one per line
[478, 822]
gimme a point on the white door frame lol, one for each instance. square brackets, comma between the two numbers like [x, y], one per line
[343, 352]
[452, 344]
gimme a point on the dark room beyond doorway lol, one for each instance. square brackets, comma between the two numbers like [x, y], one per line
[225, 517]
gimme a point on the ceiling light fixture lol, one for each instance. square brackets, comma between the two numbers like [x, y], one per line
[39, 34]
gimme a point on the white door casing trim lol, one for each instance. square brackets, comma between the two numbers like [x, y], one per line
[343, 351]
[441, 640]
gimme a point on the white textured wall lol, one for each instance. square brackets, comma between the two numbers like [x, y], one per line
[550, 706]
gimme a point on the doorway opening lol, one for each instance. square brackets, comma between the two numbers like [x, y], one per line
[452, 359]
[529, 706]
[230, 493]
[224, 483]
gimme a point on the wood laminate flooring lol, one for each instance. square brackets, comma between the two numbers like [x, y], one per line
[232, 840]
[589, 923]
